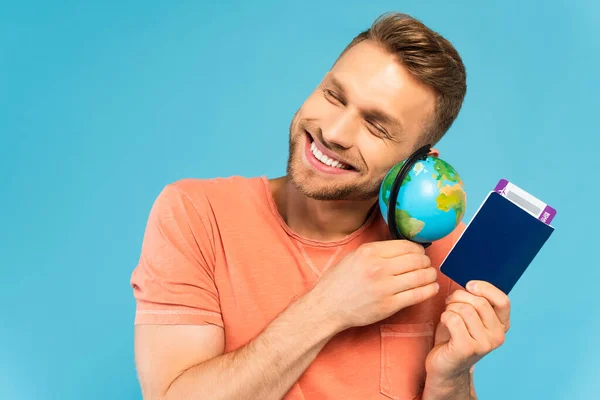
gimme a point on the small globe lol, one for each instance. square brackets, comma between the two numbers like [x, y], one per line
[431, 201]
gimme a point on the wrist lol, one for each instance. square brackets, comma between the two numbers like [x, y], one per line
[456, 387]
[316, 310]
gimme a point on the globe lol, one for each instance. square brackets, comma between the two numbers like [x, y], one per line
[431, 201]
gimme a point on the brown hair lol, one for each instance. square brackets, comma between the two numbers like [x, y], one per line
[428, 57]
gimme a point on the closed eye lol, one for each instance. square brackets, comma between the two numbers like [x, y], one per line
[333, 97]
[379, 130]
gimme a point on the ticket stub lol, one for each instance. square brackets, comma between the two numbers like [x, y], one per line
[526, 201]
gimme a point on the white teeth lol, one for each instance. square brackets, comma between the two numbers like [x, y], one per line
[326, 160]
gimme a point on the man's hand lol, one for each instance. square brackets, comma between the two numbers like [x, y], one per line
[474, 324]
[376, 281]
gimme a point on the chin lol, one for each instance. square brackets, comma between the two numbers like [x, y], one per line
[316, 187]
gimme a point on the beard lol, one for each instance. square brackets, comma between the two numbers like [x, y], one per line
[354, 187]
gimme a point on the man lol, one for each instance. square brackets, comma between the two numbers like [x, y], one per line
[249, 288]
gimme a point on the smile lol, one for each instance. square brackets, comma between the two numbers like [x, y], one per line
[324, 163]
[327, 160]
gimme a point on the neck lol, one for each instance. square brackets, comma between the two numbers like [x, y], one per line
[321, 220]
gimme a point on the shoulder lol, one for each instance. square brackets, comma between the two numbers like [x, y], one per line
[191, 210]
[193, 187]
[199, 191]
[209, 197]
[219, 186]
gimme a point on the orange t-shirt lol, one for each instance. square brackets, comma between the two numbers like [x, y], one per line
[216, 251]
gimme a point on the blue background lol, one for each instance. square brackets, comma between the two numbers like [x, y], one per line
[101, 105]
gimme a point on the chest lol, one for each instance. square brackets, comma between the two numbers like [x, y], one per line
[257, 280]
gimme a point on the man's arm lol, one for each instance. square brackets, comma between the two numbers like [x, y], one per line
[460, 388]
[187, 362]
[178, 355]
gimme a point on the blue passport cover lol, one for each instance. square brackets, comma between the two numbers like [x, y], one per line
[497, 245]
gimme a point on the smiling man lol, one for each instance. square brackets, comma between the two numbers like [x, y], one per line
[256, 288]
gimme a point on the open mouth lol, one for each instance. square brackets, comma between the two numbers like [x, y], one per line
[327, 160]
[323, 162]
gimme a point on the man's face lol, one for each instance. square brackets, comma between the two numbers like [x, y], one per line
[369, 113]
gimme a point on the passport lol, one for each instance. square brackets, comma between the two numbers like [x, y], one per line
[498, 244]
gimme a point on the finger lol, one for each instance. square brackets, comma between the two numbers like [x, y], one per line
[410, 280]
[405, 263]
[482, 305]
[391, 248]
[415, 296]
[497, 298]
[459, 334]
[472, 321]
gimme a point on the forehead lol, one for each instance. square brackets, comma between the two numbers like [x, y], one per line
[373, 77]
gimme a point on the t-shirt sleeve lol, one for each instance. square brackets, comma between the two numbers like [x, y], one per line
[173, 282]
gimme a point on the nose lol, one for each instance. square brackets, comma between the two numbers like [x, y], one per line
[340, 129]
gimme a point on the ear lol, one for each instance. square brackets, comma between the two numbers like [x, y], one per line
[434, 153]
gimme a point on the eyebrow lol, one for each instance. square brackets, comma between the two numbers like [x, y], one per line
[373, 113]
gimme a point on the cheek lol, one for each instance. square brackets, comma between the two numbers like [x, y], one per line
[379, 156]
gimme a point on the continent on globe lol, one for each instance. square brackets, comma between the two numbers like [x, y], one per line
[452, 198]
[391, 175]
[445, 171]
[410, 226]
[418, 168]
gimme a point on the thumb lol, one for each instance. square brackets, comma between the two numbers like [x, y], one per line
[442, 334]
